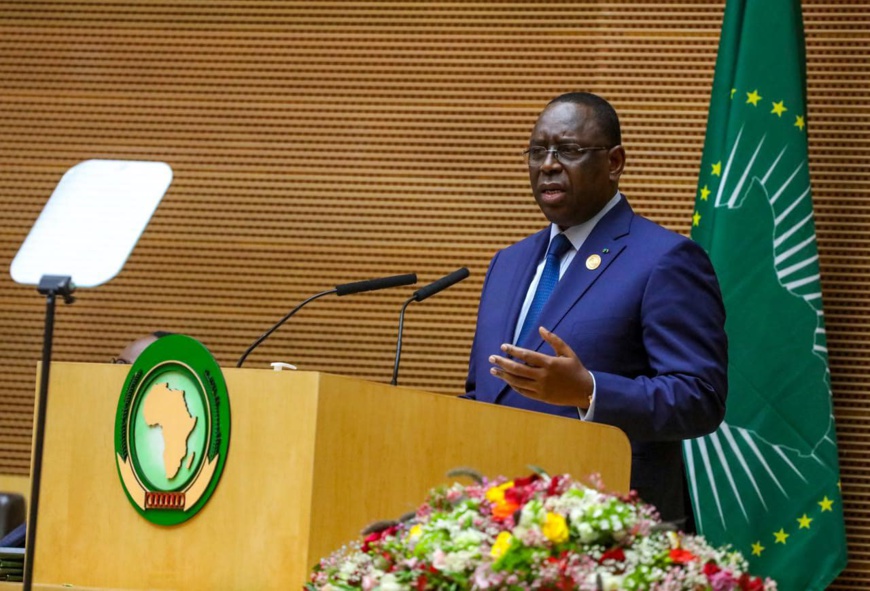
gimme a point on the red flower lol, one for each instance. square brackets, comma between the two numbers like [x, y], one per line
[523, 482]
[420, 584]
[554, 485]
[711, 569]
[392, 565]
[369, 540]
[560, 561]
[613, 554]
[377, 537]
[516, 495]
[681, 556]
[522, 490]
[632, 498]
[748, 583]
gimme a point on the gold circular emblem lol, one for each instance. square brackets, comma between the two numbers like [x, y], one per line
[593, 261]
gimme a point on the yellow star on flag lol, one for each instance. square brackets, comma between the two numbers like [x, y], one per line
[733, 90]
[780, 536]
[799, 122]
[804, 521]
[717, 169]
[779, 108]
[757, 549]
[705, 192]
[826, 504]
[753, 97]
[696, 219]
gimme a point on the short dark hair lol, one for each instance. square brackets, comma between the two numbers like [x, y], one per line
[603, 112]
[159, 334]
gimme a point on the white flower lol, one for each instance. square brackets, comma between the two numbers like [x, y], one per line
[532, 513]
[616, 524]
[457, 562]
[389, 583]
[347, 569]
[609, 582]
[480, 580]
[532, 536]
[468, 538]
[586, 533]
[439, 559]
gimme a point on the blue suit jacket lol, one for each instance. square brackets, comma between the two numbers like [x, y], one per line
[648, 323]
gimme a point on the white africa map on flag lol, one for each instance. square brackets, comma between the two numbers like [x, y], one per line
[756, 465]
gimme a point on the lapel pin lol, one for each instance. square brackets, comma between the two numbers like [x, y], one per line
[605, 250]
[593, 261]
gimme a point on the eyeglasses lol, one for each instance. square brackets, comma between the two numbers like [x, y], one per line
[120, 360]
[565, 153]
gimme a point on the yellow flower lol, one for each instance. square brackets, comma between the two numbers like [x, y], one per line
[501, 545]
[415, 532]
[555, 528]
[496, 493]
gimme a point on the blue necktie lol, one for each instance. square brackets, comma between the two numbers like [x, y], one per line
[549, 278]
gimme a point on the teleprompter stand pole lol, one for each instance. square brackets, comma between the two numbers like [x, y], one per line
[50, 286]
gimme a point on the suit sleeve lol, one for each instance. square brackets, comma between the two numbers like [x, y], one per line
[683, 332]
[473, 363]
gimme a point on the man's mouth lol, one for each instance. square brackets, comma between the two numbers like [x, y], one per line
[552, 193]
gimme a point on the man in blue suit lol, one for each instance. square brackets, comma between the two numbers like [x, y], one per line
[630, 331]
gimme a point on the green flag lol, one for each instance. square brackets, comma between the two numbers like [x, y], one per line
[767, 482]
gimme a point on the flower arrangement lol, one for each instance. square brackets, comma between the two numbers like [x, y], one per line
[539, 532]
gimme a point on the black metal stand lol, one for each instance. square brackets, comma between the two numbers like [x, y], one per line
[50, 286]
[395, 380]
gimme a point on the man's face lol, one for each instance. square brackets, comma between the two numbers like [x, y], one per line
[573, 192]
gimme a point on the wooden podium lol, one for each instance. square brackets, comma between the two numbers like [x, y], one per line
[313, 458]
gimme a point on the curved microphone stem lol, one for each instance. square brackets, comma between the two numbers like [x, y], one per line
[278, 325]
[395, 379]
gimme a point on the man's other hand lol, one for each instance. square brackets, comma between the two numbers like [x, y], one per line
[561, 379]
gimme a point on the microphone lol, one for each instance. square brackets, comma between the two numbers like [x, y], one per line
[344, 289]
[421, 294]
[373, 284]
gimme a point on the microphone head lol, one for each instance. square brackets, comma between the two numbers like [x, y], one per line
[440, 284]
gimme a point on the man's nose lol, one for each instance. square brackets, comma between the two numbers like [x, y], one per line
[551, 161]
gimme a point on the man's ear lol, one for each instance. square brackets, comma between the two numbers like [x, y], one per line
[617, 162]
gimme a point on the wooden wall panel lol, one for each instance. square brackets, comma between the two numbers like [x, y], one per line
[316, 142]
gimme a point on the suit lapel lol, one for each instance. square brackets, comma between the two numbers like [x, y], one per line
[601, 248]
